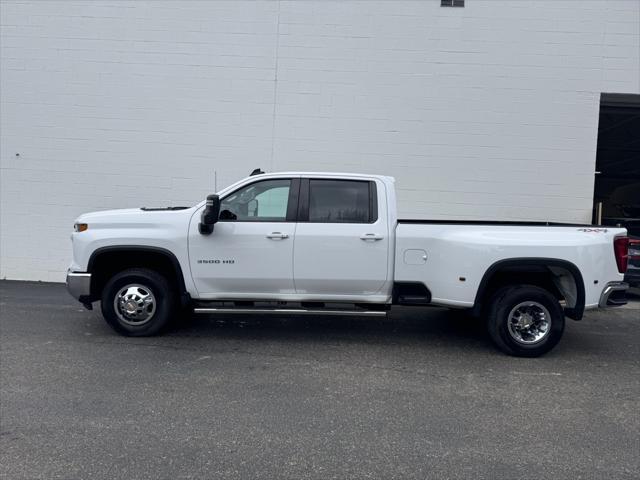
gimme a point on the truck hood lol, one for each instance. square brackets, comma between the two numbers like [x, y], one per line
[109, 214]
[133, 216]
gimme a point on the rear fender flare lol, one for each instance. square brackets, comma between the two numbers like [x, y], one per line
[576, 312]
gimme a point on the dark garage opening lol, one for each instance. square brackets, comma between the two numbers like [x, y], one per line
[617, 182]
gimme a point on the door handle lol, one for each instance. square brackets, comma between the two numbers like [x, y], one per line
[370, 237]
[277, 235]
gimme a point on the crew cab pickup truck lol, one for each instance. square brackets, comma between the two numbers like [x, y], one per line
[325, 243]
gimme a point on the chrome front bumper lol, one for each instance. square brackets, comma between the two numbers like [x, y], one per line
[79, 285]
[613, 295]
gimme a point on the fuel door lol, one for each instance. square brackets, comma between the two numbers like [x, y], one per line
[415, 256]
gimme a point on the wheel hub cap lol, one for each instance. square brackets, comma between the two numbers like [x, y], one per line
[135, 304]
[529, 322]
[130, 307]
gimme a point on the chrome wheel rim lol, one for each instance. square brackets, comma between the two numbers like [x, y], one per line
[529, 323]
[135, 304]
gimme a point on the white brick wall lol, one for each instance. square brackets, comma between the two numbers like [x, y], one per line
[488, 111]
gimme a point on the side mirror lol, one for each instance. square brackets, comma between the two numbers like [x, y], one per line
[209, 215]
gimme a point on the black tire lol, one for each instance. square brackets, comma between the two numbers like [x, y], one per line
[507, 299]
[152, 320]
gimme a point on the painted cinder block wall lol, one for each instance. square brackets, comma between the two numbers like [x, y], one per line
[483, 112]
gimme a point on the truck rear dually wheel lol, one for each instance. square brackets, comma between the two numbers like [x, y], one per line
[525, 320]
[138, 302]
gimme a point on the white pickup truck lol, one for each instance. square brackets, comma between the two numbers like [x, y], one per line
[326, 243]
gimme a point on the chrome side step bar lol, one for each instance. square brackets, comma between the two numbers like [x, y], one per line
[292, 311]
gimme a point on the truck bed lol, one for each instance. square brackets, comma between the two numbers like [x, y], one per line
[496, 222]
[451, 257]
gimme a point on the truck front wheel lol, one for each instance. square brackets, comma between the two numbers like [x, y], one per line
[138, 302]
[525, 320]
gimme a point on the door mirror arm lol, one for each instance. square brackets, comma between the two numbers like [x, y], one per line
[209, 215]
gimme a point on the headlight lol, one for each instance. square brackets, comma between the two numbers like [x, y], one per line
[80, 227]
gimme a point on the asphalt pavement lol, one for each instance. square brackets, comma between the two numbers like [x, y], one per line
[422, 394]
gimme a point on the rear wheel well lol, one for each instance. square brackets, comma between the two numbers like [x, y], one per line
[107, 262]
[560, 278]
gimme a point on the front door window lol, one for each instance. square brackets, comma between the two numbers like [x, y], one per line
[265, 201]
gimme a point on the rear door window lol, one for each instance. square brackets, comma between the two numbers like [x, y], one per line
[341, 201]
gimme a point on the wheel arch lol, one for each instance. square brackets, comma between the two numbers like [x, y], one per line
[106, 261]
[559, 270]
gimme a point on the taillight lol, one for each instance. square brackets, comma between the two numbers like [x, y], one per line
[621, 249]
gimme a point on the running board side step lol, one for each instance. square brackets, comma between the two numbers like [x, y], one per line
[293, 311]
